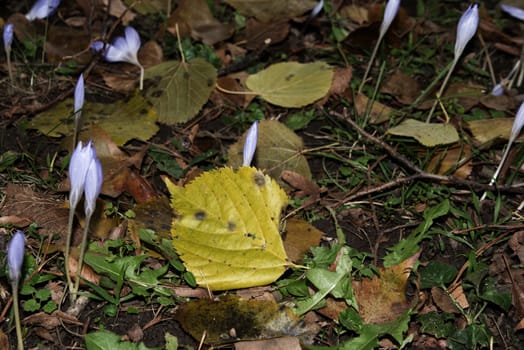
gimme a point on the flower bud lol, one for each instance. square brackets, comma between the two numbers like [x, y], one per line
[466, 28]
[250, 145]
[15, 256]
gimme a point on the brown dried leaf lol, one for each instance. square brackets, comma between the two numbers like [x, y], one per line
[260, 35]
[283, 343]
[272, 10]
[382, 299]
[379, 113]
[445, 160]
[403, 87]
[194, 16]
[300, 236]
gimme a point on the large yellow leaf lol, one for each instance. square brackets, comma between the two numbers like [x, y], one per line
[292, 84]
[226, 228]
[179, 89]
[123, 120]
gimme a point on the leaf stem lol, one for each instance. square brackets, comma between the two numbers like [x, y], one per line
[68, 246]
[81, 258]
[442, 88]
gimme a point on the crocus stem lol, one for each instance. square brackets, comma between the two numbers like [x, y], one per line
[78, 116]
[68, 247]
[141, 77]
[18, 323]
[9, 68]
[499, 168]
[442, 88]
[375, 50]
[83, 245]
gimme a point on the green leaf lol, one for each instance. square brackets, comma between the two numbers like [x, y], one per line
[226, 228]
[428, 134]
[50, 306]
[31, 305]
[104, 340]
[439, 325]
[43, 294]
[437, 274]
[178, 90]
[113, 266]
[292, 84]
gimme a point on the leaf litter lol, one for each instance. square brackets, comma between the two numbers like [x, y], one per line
[365, 304]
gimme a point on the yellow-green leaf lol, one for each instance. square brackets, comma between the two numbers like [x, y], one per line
[123, 120]
[226, 228]
[428, 134]
[178, 90]
[292, 84]
[278, 149]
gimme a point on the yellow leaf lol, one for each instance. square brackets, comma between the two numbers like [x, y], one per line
[179, 89]
[226, 228]
[123, 120]
[292, 84]
[428, 134]
[488, 130]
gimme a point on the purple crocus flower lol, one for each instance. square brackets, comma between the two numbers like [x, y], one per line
[93, 185]
[8, 37]
[389, 15]
[15, 256]
[466, 28]
[79, 94]
[42, 9]
[250, 145]
[123, 49]
[78, 167]
[513, 11]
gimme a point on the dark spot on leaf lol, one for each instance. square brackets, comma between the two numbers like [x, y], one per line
[209, 82]
[176, 237]
[200, 215]
[289, 77]
[250, 235]
[143, 111]
[259, 179]
[231, 226]
[157, 93]
[186, 76]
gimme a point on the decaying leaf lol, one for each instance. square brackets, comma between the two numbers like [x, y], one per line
[198, 19]
[428, 134]
[122, 120]
[383, 298]
[272, 10]
[300, 237]
[292, 84]
[279, 149]
[455, 160]
[232, 318]
[178, 90]
[226, 228]
[488, 130]
[379, 112]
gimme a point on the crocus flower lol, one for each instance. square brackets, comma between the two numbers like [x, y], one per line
[389, 15]
[79, 103]
[78, 167]
[250, 145]
[515, 131]
[8, 36]
[316, 10]
[466, 29]
[123, 49]
[8, 40]
[93, 184]
[42, 9]
[15, 256]
[15, 260]
[514, 11]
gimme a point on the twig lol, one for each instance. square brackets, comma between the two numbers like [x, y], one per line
[418, 173]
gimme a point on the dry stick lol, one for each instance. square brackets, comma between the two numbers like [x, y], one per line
[488, 60]
[419, 173]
